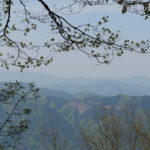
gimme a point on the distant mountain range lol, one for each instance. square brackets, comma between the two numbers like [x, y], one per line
[67, 112]
[73, 112]
[138, 85]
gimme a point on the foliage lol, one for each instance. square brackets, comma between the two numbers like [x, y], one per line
[114, 131]
[97, 41]
[14, 112]
[18, 20]
[139, 7]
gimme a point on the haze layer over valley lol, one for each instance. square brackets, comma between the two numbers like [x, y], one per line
[134, 86]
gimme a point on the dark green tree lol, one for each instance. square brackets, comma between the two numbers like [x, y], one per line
[14, 100]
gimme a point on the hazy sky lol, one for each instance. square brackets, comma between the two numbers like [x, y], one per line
[77, 64]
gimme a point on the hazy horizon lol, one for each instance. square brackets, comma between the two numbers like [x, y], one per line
[7, 73]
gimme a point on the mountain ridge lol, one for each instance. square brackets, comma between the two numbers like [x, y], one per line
[138, 85]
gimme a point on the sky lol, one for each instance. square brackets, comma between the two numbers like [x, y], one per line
[77, 64]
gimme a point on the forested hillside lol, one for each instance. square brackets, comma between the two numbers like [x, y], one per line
[66, 114]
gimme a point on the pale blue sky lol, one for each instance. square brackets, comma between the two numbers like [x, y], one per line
[77, 64]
